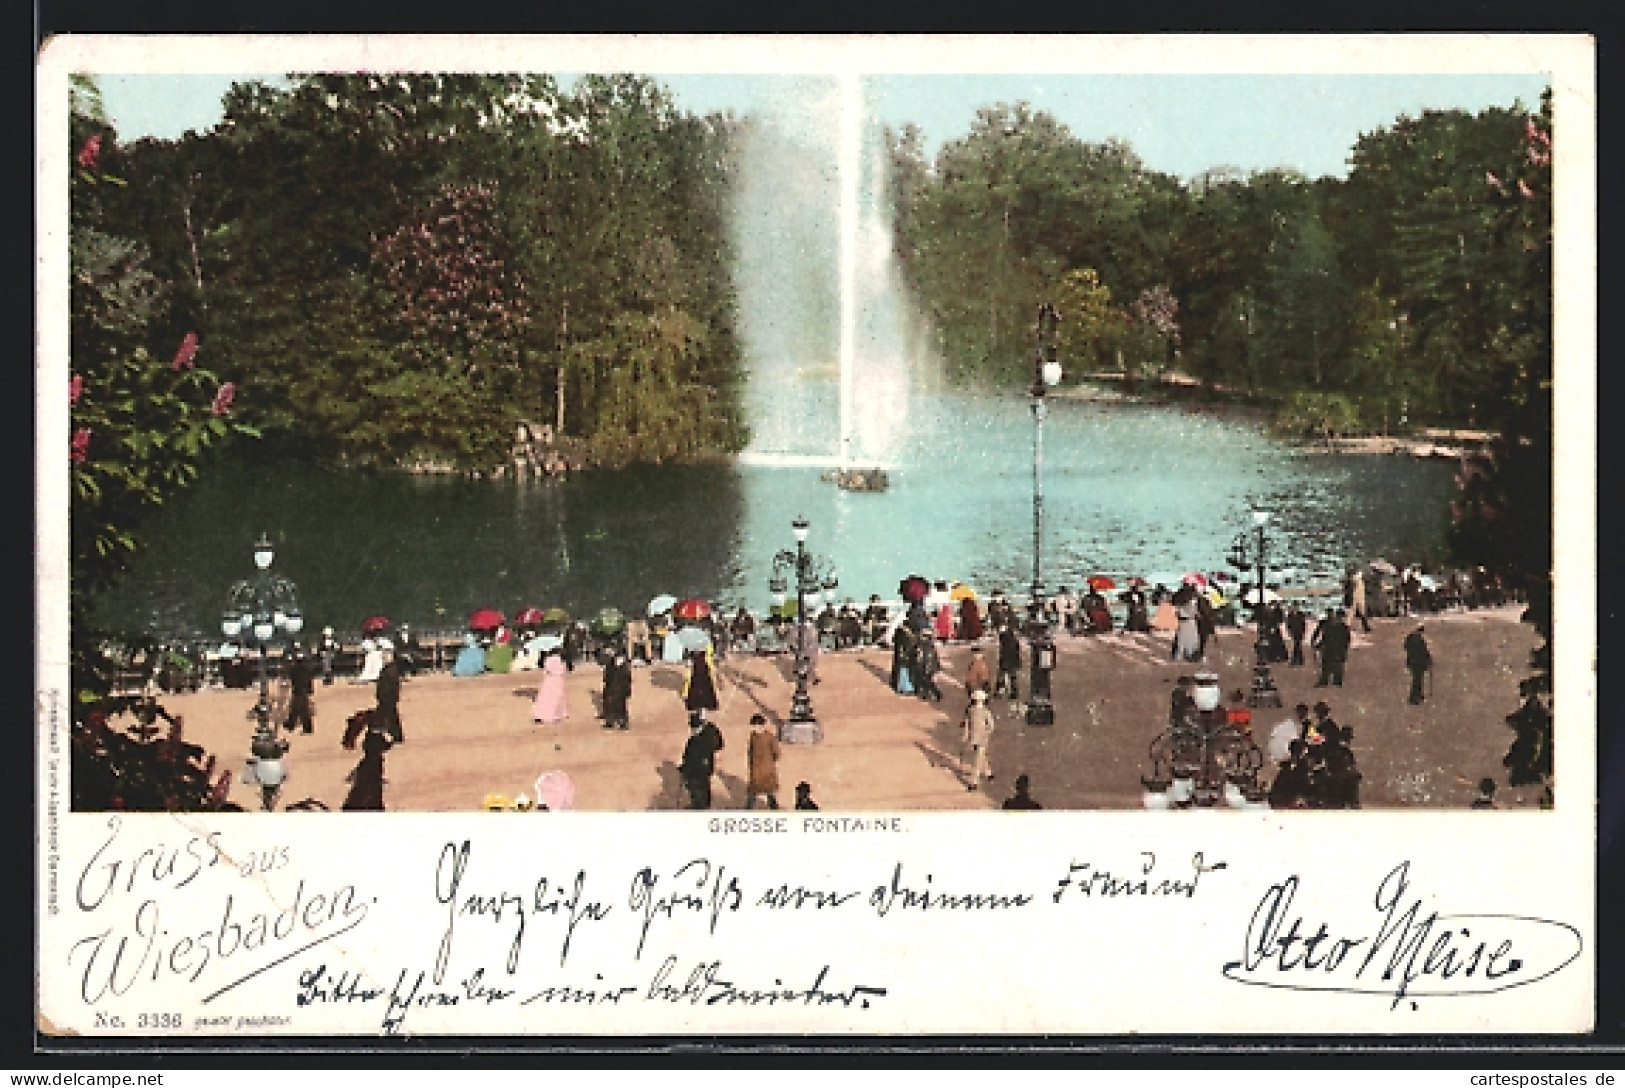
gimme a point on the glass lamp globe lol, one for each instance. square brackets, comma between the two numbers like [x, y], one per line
[1052, 373]
[295, 622]
[800, 527]
[264, 627]
[263, 552]
[231, 625]
[1261, 518]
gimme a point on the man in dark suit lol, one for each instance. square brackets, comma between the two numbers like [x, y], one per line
[700, 760]
[1022, 798]
[388, 694]
[1297, 625]
[302, 681]
[1418, 660]
[1006, 683]
[1334, 636]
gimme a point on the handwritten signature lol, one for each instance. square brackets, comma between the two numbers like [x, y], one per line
[1410, 955]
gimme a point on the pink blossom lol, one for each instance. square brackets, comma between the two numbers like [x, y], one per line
[1525, 190]
[76, 388]
[79, 447]
[90, 154]
[223, 398]
[187, 351]
[1489, 176]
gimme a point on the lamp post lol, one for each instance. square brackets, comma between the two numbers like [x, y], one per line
[1046, 374]
[1202, 760]
[813, 575]
[261, 610]
[1253, 552]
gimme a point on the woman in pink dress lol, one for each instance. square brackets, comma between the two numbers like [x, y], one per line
[550, 705]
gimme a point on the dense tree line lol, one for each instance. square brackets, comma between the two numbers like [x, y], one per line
[1411, 292]
[402, 269]
[1416, 291]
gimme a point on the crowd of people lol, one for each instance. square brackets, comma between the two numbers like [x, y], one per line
[1314, 761]
[1313, 757]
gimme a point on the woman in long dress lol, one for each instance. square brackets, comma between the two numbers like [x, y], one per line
[944, 622]
[671, 649]
[1164, 619]
[470, 659]
[1188, 639]
[372, 661]
[699, 690]
[550, 705]
[970, 620]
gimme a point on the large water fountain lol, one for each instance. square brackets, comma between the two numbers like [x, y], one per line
[832, 372]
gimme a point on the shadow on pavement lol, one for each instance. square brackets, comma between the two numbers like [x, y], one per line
[942, 760]
[671, 795]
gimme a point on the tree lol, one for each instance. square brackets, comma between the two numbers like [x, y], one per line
[141, 424]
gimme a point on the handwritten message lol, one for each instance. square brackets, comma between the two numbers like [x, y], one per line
[174, 928]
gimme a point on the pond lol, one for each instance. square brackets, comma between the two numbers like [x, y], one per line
[1154, 490]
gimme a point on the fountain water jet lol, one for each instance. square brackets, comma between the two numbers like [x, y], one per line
[791, 207]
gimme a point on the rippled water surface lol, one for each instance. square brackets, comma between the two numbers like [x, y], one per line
[1128, 489]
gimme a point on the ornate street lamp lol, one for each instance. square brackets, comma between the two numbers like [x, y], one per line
[1046, 374]
[260, 611]
[1201, 760]
[813, 575]
[1248, 552]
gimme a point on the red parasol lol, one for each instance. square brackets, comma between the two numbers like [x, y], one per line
[372, 625]
[914, 589]
[1100, 581]
[691, 609]
[485, 619]
[528, 617]
[1137, 582]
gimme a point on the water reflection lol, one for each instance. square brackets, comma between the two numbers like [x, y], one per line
[1128, 489]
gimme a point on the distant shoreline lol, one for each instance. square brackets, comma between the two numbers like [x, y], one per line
[1430, 442]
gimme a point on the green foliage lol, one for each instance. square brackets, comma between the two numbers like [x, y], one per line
[141, 424]
[122, 760]
[406, 267]
[143, 414]
[1317, 415]
[1411, 290]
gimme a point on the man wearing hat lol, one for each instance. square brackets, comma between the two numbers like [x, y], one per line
[976, 732]
[301, 706]
[1418, 660]
[329, 649]
[387, 692]
[1022, 799]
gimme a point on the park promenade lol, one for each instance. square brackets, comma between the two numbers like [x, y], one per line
[882, 752]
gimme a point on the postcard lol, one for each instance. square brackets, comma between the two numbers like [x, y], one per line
[663, 535]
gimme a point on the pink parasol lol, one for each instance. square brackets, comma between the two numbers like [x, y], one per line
[555, 790]
[528, 617]
[372, 625]
[1195, 578]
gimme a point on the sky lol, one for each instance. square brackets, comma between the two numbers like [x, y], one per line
[1181, 125]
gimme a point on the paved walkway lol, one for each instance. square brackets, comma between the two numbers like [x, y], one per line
[467, 737]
